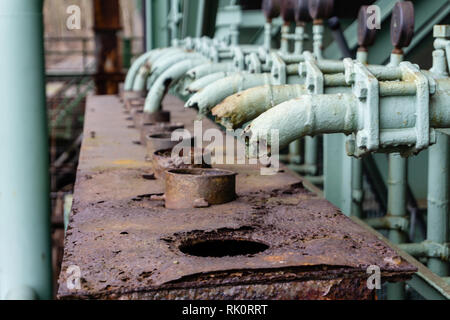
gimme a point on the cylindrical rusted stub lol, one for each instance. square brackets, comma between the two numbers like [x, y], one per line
[186, 188]
[140, 117]
[148, 128]
[366, 35]
[321, 9]
[131, 94]
[302, 11]
[161, 141]
[163, 160]
[402, 24]
[271, 8]
[133, 103]
[287, 10]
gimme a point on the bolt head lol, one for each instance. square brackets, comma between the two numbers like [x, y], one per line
[441, 31]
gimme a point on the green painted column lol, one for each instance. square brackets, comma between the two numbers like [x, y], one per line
[438, 199]
[25, 261]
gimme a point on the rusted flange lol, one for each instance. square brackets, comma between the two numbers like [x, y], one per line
[194, 188]
[148, 128]
[162, 141]
[321, 9]
[163, 160]
[134, 103]
[302, 11]
[140, 117]
[402, 24]
[133, 94]
[366, 35]
[271, 9]
[287, 10]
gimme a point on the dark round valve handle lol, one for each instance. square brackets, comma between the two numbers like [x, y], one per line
[302, 11]
[271, 8]
[402, 24]
[366, 35]
[321, 9]
[287, 10]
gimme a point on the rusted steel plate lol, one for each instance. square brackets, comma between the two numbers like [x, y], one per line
[298, 245]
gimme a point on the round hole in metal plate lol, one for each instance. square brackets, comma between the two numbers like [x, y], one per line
[222, 248]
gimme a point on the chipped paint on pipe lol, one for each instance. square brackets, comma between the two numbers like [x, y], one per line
[306, 115]
[141, 78]
[153, 58]
[297, 118]
[242, 107]
[163, 64]
[172, 75]
[209, 68]
[219, 90]
[201, 83]
[134, 69]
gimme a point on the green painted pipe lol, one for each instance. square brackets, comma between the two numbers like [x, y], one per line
[209, 68]
[148, 59]
[438, 199]
[203, 82]
[339, 113]
[141, 78]
[25, 246]
[170, 76]
[134, 69]
[242, 107]
[159, 67]
[396, 205]
[220, 89]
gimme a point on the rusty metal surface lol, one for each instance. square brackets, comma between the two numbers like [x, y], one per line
[128, 246]
[198, 187]
[149, 128]
[163, 160]
[140, 117]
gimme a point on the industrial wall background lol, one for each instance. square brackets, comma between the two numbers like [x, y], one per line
[98, 202]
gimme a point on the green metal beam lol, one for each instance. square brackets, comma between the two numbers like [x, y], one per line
[157, 32]
[25, 255]
[426, 283]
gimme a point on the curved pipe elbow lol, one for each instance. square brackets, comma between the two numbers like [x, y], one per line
[161, 85]
[164, 64]
[141, 78]
[135, 67]
[209, 68]
[307, 115]
[216, 92]
[203, 82]
[245, 106]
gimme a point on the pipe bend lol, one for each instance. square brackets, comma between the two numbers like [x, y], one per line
[170, 76]
[217, 91]
[306, 115]
[135, 66]
[245, 106]
[209, 68]
[201, 83]
[159, 67]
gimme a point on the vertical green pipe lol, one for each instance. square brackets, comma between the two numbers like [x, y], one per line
[127, 52]
[148, 25]
[25, 261]
[311, 148]
[397, 180]
[397, 185]
[438, 200]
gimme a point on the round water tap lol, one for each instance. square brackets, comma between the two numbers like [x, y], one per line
[366, 35]
[287, 10]
[402, 24]
[271, 8]
[302, 11]
[321, 9]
